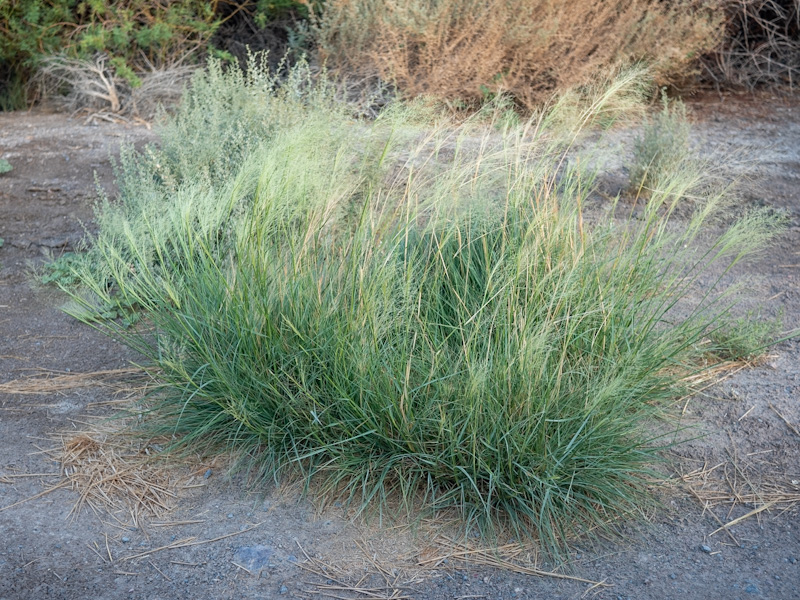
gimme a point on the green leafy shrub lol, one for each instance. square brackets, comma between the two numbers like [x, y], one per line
[61, 271]
[136, 35]
[407, 308]
[661, 148]
[5, 166]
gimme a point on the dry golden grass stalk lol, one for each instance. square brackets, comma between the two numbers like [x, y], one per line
[734, 482]
[744, 517]
[785, 420]
[186, 542]
[51, 382]
[502, 557]
[35, 496]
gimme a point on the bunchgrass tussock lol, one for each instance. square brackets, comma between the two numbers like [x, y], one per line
[411, 309]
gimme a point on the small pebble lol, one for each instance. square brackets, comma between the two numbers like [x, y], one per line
[706, 549]
[230, 515]
[291, 558]
[792, 559]
[751, 589]
[283, 589]
[673, 576]
[125, 540]
[207, 474]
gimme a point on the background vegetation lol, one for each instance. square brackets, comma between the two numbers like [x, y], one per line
[134, 36]
[459, 50]
[407, 311]
[469, 49]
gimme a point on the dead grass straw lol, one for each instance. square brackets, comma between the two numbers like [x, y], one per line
[52, 382]
[469, 49]
[737, 482]
[379, 582]
[186, 542]
[116, 476]
[785, 420]
[35, 496]
[744, 517]
[501, 557]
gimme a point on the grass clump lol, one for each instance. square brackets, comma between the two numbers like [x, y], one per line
[411, 309]
[661, 148]
[224, 116]
[746, 338]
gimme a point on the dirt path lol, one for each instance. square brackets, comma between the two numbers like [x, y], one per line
[748, 458]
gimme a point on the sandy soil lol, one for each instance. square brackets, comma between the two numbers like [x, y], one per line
[217, 537]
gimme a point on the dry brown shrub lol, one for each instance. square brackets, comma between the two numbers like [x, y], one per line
[93, 86]
[468, 49]
[761, 44]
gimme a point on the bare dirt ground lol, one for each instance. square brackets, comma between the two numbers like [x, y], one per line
[212, 536]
